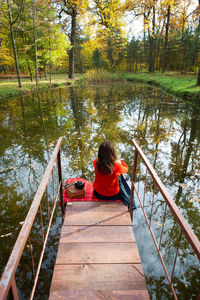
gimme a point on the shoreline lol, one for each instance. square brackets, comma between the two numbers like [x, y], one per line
[181, 86]
[9, 87]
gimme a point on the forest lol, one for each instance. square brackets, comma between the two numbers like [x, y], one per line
[74, 36]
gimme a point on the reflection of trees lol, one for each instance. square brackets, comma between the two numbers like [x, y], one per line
[185, 289]
[78, 137]
[26, 127]
[183, 152]
[151, 127]
[108, 104]
[184, 148]
[79, 124]
[85, 117]
[95, 118]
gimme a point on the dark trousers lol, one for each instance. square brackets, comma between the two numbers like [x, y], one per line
[124, 193]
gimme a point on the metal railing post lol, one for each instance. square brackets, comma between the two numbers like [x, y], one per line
[60, 181]
[15, 294]
[133, 180]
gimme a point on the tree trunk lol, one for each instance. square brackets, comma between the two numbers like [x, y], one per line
[30, 72]
[144, 40]
[166, 40]
[35, 41]
[72, 40]
[198, 76]
[14, 45]
[50, 62]
[196, 44]
[152, 44]
[110, 54]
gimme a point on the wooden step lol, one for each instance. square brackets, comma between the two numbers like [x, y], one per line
[98, 256]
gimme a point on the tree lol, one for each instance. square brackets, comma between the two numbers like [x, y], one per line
[198, 33]
[170, 26]
[151, 32]
[147, 10]
[133, 54]
[97, 59]
[34, 11]
[166, 38]
[6, 57]
[52, 48]
[11, 13]
[52, 43]
[73, 9]
[108, 16]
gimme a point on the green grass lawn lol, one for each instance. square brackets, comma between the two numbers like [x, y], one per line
[9, 87]
[180, 85]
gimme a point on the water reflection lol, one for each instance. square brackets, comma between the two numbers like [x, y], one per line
[167, 130]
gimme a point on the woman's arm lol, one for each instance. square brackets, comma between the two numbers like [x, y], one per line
[121, 167]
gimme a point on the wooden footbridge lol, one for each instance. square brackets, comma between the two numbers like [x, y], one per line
[97, 255]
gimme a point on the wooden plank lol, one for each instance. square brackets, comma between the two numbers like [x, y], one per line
[100, 295]
[97, 218]
[72, 253]
[90, 277]
[97, 234]
[97, 206]
[98, 256]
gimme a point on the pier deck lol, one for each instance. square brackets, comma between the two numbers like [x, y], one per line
[98, 256]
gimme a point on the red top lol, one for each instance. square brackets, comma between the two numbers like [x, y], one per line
[106, 184]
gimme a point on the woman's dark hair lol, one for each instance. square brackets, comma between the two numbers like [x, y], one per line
[106, 158]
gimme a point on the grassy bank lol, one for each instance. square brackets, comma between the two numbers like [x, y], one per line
[9, 87]
[183, 86]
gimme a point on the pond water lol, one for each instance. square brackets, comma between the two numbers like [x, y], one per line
[167, 130]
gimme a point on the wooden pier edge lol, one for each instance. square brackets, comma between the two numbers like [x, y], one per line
[98, 256]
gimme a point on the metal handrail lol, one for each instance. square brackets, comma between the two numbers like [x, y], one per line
[185, 227]
[8, 278]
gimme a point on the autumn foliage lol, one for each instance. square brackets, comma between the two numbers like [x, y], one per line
[76, 36]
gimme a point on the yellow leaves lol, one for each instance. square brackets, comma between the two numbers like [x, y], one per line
[6, 55]
[140, 127]
[79, 5]
[87, 51]
[168, 2]
[110, 14]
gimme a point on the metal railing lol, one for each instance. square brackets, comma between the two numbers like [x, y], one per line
[156, 185]
[8, 280]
